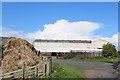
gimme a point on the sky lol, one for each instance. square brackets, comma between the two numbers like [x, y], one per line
[61, 20]
[60, 0]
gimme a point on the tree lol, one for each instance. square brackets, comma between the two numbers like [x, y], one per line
[118, 54]
[109, 50]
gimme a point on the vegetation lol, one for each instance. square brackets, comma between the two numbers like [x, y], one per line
[65, 71]
[67, 56]
[109, 50]
[118, 53]
[95, 59]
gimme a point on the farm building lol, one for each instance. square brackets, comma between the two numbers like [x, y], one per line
[67, 46]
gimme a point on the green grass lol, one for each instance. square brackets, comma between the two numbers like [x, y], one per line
[65, 71]
[95, 59]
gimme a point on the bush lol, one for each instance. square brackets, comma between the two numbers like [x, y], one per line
[109, 50]
[66, 56]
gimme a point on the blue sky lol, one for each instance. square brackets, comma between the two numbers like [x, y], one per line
[30, 17]
[89, 20]
[60, 0]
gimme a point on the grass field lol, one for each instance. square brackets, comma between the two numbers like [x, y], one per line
[95, 59]
[65, 71]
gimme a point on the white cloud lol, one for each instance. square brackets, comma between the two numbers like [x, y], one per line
[9, 32]
[62, 29]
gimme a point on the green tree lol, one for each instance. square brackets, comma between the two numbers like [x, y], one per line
[109, 50]
[118, 54]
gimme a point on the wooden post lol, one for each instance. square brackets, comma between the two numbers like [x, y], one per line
[57, 55]
[45, 69]
[38, 53]
[23, 71]
[36, 71]
[99, 53]
[12, 77]
[50, 65]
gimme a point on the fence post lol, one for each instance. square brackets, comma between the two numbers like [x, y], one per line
[36, 71]
[12, 76]
[50, 65]
[23, 71]
[45, 69]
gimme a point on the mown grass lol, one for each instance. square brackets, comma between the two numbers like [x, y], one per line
[95, 59]
[65, 71]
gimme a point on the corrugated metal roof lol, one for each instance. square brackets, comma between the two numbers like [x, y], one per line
[67, 41]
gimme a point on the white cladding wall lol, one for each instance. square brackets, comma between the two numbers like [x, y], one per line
[98, 43]
[66, 47]
[59, 47]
